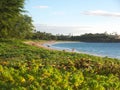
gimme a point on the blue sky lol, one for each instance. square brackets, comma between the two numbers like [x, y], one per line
[75, 16]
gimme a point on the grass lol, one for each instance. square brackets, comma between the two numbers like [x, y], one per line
[25, 67]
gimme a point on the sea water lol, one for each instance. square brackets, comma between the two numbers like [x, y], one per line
[100, 49]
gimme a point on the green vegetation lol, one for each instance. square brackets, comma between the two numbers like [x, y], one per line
[24, 67]
[37, 35]
[14, 24]
[98, 37]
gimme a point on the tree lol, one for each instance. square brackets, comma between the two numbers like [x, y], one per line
[11, 19]
[22, 27]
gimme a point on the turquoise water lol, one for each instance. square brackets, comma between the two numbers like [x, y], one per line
[100, 49]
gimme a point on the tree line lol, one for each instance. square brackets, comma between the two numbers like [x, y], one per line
[87, 37]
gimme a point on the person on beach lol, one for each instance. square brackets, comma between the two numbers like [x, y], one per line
[73, 49]
[48, 45]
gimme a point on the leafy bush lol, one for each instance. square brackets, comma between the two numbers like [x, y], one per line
[24, 67]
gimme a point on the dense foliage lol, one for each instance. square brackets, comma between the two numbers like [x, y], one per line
[12, 23]
[24, 67]
[98, 37]
[22, 27]
[43, 36]
[103, 37]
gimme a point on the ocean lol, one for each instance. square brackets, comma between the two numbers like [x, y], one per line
[99, 49]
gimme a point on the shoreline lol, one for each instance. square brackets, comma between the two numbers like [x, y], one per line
[41, 44]
[48, 45]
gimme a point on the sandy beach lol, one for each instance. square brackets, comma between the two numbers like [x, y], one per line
[48, 44]
[41, 44]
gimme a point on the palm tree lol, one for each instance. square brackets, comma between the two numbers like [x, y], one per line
[8, 10]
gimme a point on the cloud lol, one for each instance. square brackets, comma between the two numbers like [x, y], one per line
[78, 30]
[75, 30]
[41, 7]
[102, 13]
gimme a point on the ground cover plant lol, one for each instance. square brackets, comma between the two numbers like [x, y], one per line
[25, 67]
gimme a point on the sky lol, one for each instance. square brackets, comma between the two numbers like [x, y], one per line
[75, 17]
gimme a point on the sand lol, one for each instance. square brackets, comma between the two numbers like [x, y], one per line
[47, 45]
[41, 44]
